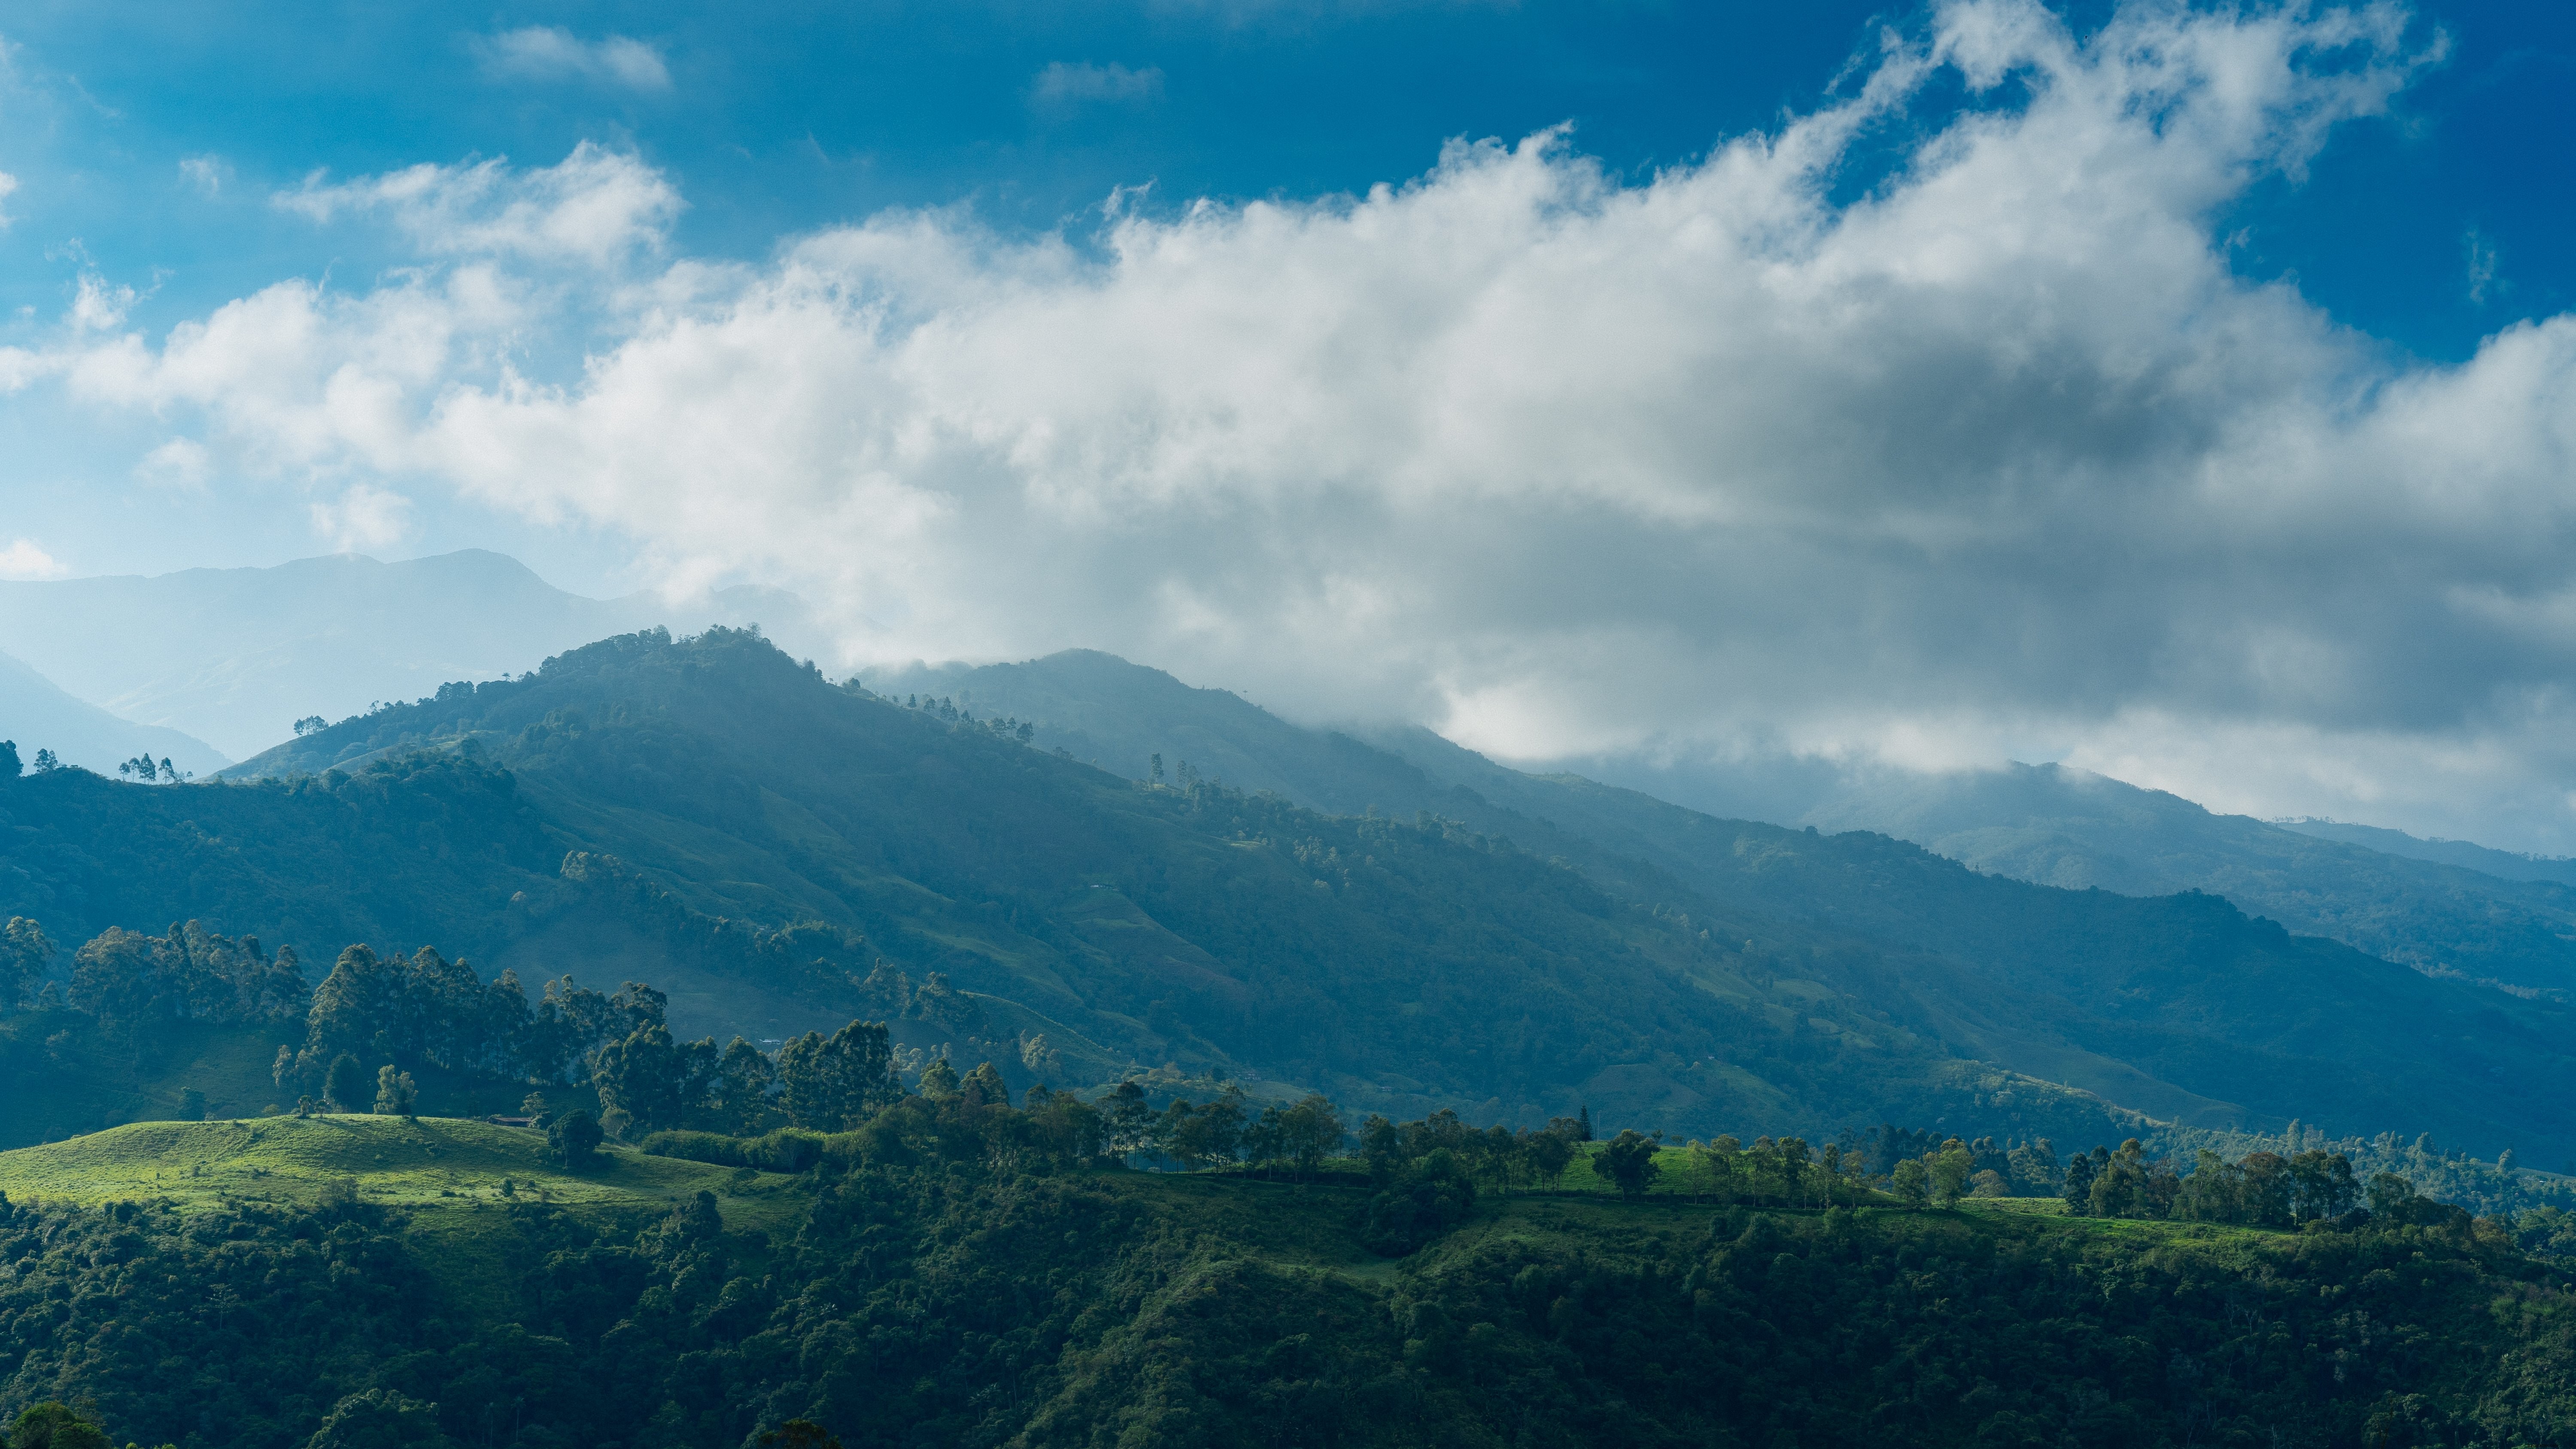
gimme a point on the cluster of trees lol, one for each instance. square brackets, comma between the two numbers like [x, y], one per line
[942, 707]
[422, 1008]
[11, 766]
[2262, 1189]
[142, 768]
[128, 980]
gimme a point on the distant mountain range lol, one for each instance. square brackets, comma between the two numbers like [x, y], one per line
[2425, 905]
[38, 716]
[233, 657]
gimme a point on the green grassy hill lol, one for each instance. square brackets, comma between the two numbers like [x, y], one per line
[429, 1162]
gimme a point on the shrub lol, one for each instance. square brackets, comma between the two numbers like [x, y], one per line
[785, 1150]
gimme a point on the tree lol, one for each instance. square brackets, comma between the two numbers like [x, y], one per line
[396, 1094]
[1549, 1153]
[835, 1083]
[344, 1085]
[983, 1087]
[54, 1426]
[2322, 1185]
[2081, 1169]
[573, 1139]
[651, 1078]
[938, 1081]
[10, 768]
[1912, 1182]
[379, 1419]
[311, 724]
[192, 1106]
[1308, 1132]
[1428, 1197]
[2034, 1167]
[1204, 1136]
[24, 952]
[1127, 1122]
[1628, 1160]
[1949, 1169]
[2120, 1184]
[46, 763]
[739, 1093]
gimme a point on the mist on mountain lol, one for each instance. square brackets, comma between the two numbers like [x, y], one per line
[236, 656]
[38, 715]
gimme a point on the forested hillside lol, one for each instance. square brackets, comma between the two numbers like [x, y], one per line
[2483, 915]
[956, 1275]
[679, 803]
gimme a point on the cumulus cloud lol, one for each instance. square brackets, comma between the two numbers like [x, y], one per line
[22, 559]
[546, 52]
[1999, 451]
[181, 463]
[8, 188]
[596, 205]
[363, 517]
[1065, 85]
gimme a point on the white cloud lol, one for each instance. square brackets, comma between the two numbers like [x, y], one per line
[206, 173]
[2000, 451]
[1064, 85]
[545, 52]
[595, 205]
[363, 517]
[22, 559]
[180, 463]
[8, 188]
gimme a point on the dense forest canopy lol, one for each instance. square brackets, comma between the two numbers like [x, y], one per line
[961, 1268]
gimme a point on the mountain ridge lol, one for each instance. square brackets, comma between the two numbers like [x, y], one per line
[1769, 975]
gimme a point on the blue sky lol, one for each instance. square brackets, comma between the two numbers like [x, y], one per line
[777, 119]
[2178, 391]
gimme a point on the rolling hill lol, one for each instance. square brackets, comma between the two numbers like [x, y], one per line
[1693, 974]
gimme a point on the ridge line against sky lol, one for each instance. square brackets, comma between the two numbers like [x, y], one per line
[1937, 422]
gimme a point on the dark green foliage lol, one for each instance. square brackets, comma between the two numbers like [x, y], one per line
[344, 1086]
[1424, 1198]
[131, 982]
[396, 1093]
[828, 1084]
[24, 952]
[54, 1426]
[1628, 1160]
[379, 1419]
[573, 1139]
[785, 1150]
[936, 1293]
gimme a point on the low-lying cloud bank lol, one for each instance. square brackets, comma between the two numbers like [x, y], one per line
[1999, 456]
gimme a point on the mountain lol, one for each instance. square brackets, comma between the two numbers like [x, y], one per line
[235, 656]
[627, 801]
[2048, 981]
[2508, 864]
[39, 716]
[2066, 827]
